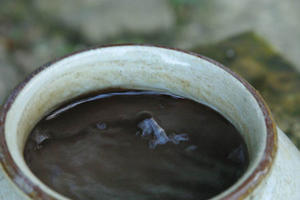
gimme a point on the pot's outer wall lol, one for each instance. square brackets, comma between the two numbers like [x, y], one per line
[7, 190]
[283, 181]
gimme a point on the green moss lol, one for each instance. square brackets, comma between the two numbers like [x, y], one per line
[182, 2]
[276, 79]
[183, 9]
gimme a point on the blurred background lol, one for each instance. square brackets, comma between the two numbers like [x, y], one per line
[258, 39]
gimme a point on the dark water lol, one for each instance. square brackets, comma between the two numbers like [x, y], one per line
[136, 145]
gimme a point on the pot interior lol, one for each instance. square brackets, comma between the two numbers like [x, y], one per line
[134, 67]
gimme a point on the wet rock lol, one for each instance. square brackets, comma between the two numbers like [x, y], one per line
[150, 128]
[102, 19]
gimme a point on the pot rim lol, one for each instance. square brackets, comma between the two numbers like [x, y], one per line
[245, 188]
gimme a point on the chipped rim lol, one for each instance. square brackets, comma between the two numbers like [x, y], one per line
[245, 188]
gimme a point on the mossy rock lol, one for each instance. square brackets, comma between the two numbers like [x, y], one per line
[273, 76]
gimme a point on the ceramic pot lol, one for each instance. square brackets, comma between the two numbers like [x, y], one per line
[274, 168]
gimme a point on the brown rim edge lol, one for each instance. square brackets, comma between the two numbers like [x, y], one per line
[35, 192]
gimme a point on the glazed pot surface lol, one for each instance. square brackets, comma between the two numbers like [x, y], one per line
[149, 68]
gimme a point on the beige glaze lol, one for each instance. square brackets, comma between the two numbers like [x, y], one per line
[154, 68]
